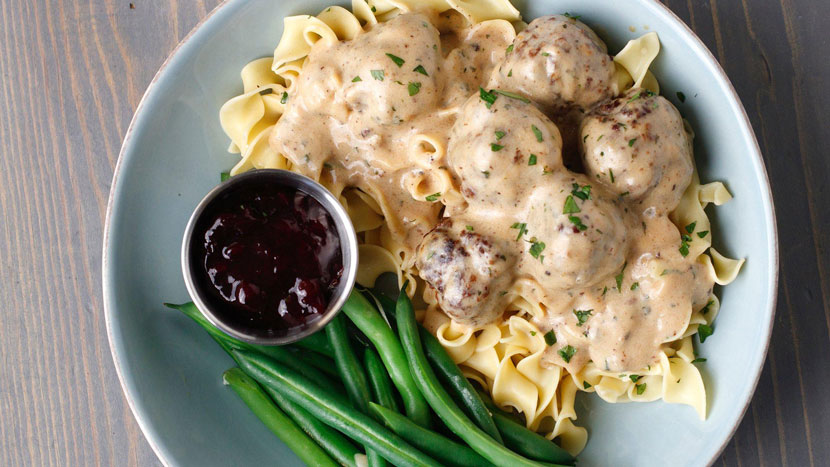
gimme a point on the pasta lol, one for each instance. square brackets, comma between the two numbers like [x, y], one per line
[506, 358]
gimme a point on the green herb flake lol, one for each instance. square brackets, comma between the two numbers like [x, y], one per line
[357, 79]
[681, 97]
[586, 385]
[578, 223]
[433, 197]
[611, 175]
[570, 206]
[512, 95]
[545, 54]
[414, 88]
[691, 227]
[266, 91]
[604, 290]
[224, 176]
[500, 134]
[532, 333]
[377, 74]
[582, 316]
[284, 98]
[510, 73]
[522, 229]
[573, 17]
[641, 388]
[470, 228]
[536, 249]
[702, 234]
[496, 147]
[550, 337]
[705, 309]
[699, 360]
[704, 331]
[509, 49]
[398, 60]
[486, 173]
[619, 277]
[635, 286]
[420, 69]
[581, 192]
[488, 97]
[634, 378]
[632, 141]
[537, 132]
[567, 353]
[532, 160]
[374, 10]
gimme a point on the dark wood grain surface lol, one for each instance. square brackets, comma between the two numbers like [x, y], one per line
[71, 75]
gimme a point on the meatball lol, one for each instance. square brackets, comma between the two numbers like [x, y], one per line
[576, 233]
[493, 145]
[637, 146]
[468, 271]
[560, 63]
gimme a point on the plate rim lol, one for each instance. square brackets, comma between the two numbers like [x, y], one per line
[735, 102]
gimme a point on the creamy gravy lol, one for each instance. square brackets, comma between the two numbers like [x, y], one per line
[597, 250]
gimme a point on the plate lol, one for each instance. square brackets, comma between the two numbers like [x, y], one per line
[173, 153]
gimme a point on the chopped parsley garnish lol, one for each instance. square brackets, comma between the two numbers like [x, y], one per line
[581, 192]
[545, 54]
[643, 93]
[624, 194]
[470, 228]
[500, 134]
[704, 331]
[699, 360]
[433, 197]
[536, 249]
[537, 132]
[266, 91]
[619, 277]
[512, 95]
[509, 49]
[586, 385]
[486, 173]
[705, 309]
[357, 79]
[634, 378]
[702, 233]
[532, 333]
[604, 290]
[398, 60]
[684, 245]
[522, 229]
[420, 69]
[691, 227]
[502, 293]
[570, 206]
[510, 73]
[574, 17]
[224, 176]
[488, 97]
[284, 98]
[414, 88]
[496, 147]
[635, 286]
[377, 74]
[550, 337]
[532, 160]
[632, 141]
[582, 316]
[641, 388]
[374, 10]
[567, 353]
[578, 223]
[611, 175]
[681, 96]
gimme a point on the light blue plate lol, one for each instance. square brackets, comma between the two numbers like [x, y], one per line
[175, 150]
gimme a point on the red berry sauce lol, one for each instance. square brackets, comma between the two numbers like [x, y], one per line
[270, 255]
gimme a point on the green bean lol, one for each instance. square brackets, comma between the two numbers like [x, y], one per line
[304, 447]
[275, 352]
[316, 342]
[349, 368]
[364, 315]
[333, 411]
[451, 375]
[317, 360]
[334, 443]
[525, 441]
[440, 400]
[443, 449]
[379, 380]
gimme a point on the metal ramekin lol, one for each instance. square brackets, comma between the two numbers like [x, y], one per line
[348, 246]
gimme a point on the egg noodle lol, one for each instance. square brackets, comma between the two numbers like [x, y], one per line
[504, 357]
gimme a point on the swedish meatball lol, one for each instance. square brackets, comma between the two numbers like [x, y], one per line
[579, 232]
[467, 270]
[637, 144]
[492, 146]
[560, 63]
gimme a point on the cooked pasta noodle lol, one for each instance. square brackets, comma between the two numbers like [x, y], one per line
[508, 358]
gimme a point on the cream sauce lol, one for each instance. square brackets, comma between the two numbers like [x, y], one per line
[599, 254]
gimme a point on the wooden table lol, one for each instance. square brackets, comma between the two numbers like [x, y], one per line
[71, 75]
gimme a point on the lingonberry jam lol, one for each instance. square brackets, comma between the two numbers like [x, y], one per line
[270, 257]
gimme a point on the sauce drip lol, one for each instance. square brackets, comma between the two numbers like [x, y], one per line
[271, 257]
